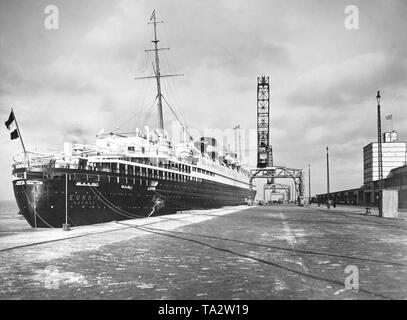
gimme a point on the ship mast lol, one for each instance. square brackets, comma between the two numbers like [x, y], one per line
[157, 73]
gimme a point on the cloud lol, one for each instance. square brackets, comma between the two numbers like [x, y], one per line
[346, 83]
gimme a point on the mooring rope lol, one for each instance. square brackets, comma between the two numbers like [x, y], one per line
[113, 206]
[35, 210]
[178, 204]
[99, 195]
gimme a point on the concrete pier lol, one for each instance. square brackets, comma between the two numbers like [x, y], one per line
[264, 252]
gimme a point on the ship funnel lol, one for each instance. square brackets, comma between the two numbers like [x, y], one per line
[209, 145]
[68, 149]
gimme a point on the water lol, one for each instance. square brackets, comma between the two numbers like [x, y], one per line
[10, 221]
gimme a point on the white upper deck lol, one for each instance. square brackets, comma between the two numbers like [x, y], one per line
[150, 151]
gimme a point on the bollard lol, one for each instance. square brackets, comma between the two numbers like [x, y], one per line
[367, 210]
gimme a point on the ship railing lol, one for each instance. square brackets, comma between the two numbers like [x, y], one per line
[30, 159]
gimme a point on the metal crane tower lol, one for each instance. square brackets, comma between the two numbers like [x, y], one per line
[265, 168]
[264, 149]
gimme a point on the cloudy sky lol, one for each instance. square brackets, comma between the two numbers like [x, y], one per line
[68, 84]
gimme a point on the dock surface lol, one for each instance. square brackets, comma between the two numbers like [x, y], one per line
[262, 252]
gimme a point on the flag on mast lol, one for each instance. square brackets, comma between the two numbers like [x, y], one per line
[152, 15]
[389, 117]
[11, 126]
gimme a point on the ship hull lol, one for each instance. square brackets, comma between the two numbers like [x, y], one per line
[97, 198]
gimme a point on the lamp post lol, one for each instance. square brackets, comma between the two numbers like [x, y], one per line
[309, 184]
[327, 173]
[379, 154]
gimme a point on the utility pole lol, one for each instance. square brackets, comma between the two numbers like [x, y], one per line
[379, 154]
[309, 184]
[327, 172]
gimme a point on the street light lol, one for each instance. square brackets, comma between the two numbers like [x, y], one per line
[379, 154]
[327, 174]
[309, 184]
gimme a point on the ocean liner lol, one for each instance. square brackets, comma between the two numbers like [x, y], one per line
[125, 176]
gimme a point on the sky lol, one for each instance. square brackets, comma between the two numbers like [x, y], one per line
[67, 84]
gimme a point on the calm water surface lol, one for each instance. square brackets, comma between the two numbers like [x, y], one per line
[10, 220]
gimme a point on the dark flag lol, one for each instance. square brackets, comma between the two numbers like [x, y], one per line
[14, 134]
[152, 15]
[11, 118]
[11, 125]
